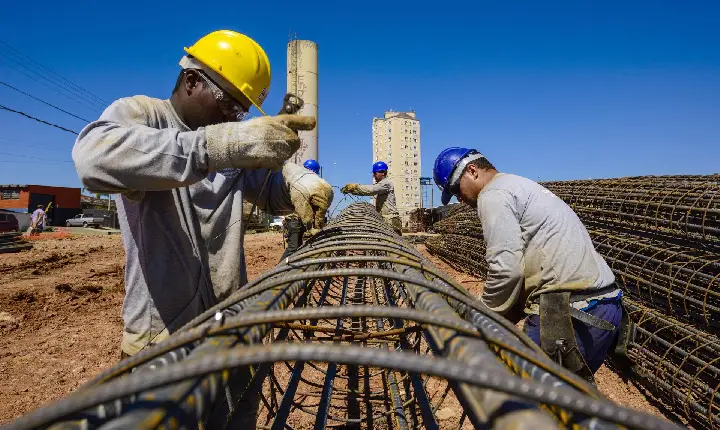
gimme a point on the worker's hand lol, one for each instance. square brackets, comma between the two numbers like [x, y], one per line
[349, 188]
[263, 142]
[310, 194]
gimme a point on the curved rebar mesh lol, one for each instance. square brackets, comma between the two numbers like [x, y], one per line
[660, 235]
[356, 329]
[678, 361]
[685, 206]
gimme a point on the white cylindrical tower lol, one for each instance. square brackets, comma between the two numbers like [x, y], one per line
[302, 80]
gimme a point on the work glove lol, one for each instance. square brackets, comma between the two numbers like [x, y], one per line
[310, 194]
[349, 188]
[263, 142]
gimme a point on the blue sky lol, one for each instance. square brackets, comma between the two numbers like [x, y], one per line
[548, 90]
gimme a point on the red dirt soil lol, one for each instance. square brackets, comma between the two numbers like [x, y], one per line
[60, 320]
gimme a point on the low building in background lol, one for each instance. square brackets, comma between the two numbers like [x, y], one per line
[24, 199]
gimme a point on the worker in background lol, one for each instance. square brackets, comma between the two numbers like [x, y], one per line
[383, 192]
[38, 220]
[292, 224]
[182, 168]
[540, 259]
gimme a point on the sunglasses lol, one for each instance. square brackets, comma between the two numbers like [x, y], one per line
[231, 108]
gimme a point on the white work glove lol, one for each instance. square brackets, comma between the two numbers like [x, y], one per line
[310, 194]
[263, 142]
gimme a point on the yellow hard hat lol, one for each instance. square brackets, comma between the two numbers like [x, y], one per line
[239, 60]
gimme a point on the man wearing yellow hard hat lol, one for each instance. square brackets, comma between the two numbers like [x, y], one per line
[181, 169]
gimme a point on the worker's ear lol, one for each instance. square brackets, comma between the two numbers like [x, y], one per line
[472, 170]
[191, 81]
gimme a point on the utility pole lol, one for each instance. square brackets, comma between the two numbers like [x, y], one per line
[424, 181]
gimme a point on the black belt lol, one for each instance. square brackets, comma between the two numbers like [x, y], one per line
[591, 294]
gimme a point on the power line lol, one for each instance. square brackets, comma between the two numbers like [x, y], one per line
[43, 101]
[32, 162]
[35, 158]
[45, 147]
[70, 96]
[76, 87]
[55, 85]
[39, 120]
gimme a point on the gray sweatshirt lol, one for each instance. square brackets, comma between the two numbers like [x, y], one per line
[171, 209]
[535, 243]
[384, 192]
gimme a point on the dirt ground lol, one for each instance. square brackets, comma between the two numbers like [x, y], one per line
[60, 318]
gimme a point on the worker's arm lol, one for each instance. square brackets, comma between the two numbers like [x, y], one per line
[294, 189]
[504, 255]
[275, 197]
[119, 152]
[381, 187]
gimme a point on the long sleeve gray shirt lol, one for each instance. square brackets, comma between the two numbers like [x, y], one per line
[384, 197]
[535, 244]
[181, 224]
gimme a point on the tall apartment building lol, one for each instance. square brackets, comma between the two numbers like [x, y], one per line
[396, 141]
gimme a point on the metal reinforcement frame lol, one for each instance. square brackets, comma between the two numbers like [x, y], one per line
[355, 330]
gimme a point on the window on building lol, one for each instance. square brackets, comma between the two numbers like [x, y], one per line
[10, 194]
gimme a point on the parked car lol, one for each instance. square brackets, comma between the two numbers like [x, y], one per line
[84, 220]
[277, 223]
[8, 222]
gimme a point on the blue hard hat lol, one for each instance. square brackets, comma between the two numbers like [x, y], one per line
[380, 166]
[312, 165]
[445, 165]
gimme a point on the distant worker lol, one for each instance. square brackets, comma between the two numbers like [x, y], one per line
[312, 165]
[38, 220]
[294, 228]
[540, 259]
[384, 193]
[182, 168]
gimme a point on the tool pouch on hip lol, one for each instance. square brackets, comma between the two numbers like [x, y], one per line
[624, 337]
[557, 335]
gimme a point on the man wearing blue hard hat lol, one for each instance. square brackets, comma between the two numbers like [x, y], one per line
[312, 165]
[293, 225]
[384, 193]
[540, 260]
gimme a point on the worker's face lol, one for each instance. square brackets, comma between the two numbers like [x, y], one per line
[468, 187]
[206, 103]
[379, 176]
[233, 110]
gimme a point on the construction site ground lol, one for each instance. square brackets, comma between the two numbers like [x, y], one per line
[60, 320]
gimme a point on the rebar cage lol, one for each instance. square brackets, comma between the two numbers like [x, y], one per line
[661, 237]
[355, 330]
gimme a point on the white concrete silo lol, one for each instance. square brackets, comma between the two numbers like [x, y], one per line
[302, 80]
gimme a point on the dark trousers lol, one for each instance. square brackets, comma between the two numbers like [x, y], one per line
[295, 231]
[593, 342]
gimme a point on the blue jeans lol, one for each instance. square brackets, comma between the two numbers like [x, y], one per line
[593, 342]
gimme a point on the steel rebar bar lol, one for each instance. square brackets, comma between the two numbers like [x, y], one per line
[298, 341]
